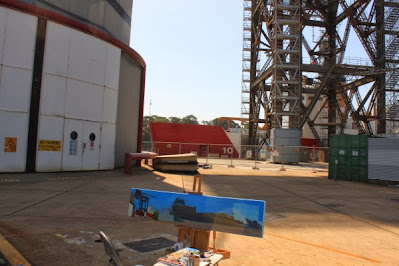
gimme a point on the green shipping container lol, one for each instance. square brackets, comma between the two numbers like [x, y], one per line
[351, 151]
[363, 174]
[334, 141]
[354, 172]
[342, 141]
[364, 142]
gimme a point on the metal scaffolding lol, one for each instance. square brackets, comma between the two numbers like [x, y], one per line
[246, 58]
[295, 79]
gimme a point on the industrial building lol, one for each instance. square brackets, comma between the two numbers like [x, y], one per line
[71, 88]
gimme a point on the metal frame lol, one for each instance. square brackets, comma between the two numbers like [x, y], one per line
[277, 72]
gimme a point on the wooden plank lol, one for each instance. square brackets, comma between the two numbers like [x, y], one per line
[231, 215]
[176, 167]
[187, 157]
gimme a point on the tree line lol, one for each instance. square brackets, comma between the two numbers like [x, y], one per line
[189, 119]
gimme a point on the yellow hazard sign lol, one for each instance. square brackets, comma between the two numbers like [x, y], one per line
[297, 150]
[49, 145]
[10, 144]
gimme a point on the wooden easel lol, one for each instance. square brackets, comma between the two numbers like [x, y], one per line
[199, 238]
[197, 189]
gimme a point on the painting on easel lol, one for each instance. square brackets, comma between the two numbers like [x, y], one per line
[231, 215]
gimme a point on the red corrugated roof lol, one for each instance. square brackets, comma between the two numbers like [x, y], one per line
[186, 133]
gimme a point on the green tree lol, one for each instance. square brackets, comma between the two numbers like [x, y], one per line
[174, 119]
[146, 125]
[224, 124]
[190, 119]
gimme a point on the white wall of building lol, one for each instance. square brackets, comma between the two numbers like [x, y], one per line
[79, 93]
[80, 85]
[323, 118]
[235, 138]
[90, 94]
[17, 45]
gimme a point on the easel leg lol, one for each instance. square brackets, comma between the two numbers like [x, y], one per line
[199, 184]
[197, 190]
[194, 183]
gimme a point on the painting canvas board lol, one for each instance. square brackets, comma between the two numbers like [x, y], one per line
[231, 215]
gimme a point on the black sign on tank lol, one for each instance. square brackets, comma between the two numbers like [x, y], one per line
[92, 137]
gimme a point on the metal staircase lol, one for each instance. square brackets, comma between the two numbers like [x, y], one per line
[391, 28]
[285, 93]
[246, 58]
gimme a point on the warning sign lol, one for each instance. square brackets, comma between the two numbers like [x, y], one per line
[49, 145]
[10, 144]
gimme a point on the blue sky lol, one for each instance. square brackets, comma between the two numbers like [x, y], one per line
[193, 52]
[193, 55]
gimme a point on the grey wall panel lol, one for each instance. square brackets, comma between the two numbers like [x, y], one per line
[384, 159]
[281, 138]
[110, 16]
[115, 24]
[93, 10]
[127, 122]
[127, 5]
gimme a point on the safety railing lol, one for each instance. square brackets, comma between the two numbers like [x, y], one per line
[357, 61]
[235, 155]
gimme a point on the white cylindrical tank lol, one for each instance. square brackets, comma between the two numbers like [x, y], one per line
[61, 82]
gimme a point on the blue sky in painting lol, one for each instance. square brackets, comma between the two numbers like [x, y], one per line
[243, 208]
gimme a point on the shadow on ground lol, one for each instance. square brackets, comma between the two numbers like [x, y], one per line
[54, 218]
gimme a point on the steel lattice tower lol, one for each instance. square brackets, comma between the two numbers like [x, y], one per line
[293, 82]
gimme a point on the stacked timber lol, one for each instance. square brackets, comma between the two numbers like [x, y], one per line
[178, 162]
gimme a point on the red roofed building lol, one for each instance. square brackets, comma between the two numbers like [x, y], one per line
[171, 138]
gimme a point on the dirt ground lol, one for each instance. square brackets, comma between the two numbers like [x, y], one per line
[54, 218]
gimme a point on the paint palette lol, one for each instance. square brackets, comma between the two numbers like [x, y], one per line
[231, 215]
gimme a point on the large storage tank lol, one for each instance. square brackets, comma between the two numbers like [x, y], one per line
[71, 89]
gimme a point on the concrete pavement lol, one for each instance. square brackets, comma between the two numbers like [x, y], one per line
[54, 218]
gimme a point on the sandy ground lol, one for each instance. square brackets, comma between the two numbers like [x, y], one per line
[54, 218]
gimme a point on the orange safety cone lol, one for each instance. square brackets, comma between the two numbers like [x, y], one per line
[282, 167]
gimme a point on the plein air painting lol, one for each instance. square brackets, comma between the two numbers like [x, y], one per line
[231, 215]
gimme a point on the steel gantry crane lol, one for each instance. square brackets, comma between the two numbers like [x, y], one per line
[294, 79]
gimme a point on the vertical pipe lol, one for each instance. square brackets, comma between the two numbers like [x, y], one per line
[331, 59]
[37, 74]
[380, 64]
[207, 154]
[231, 157]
